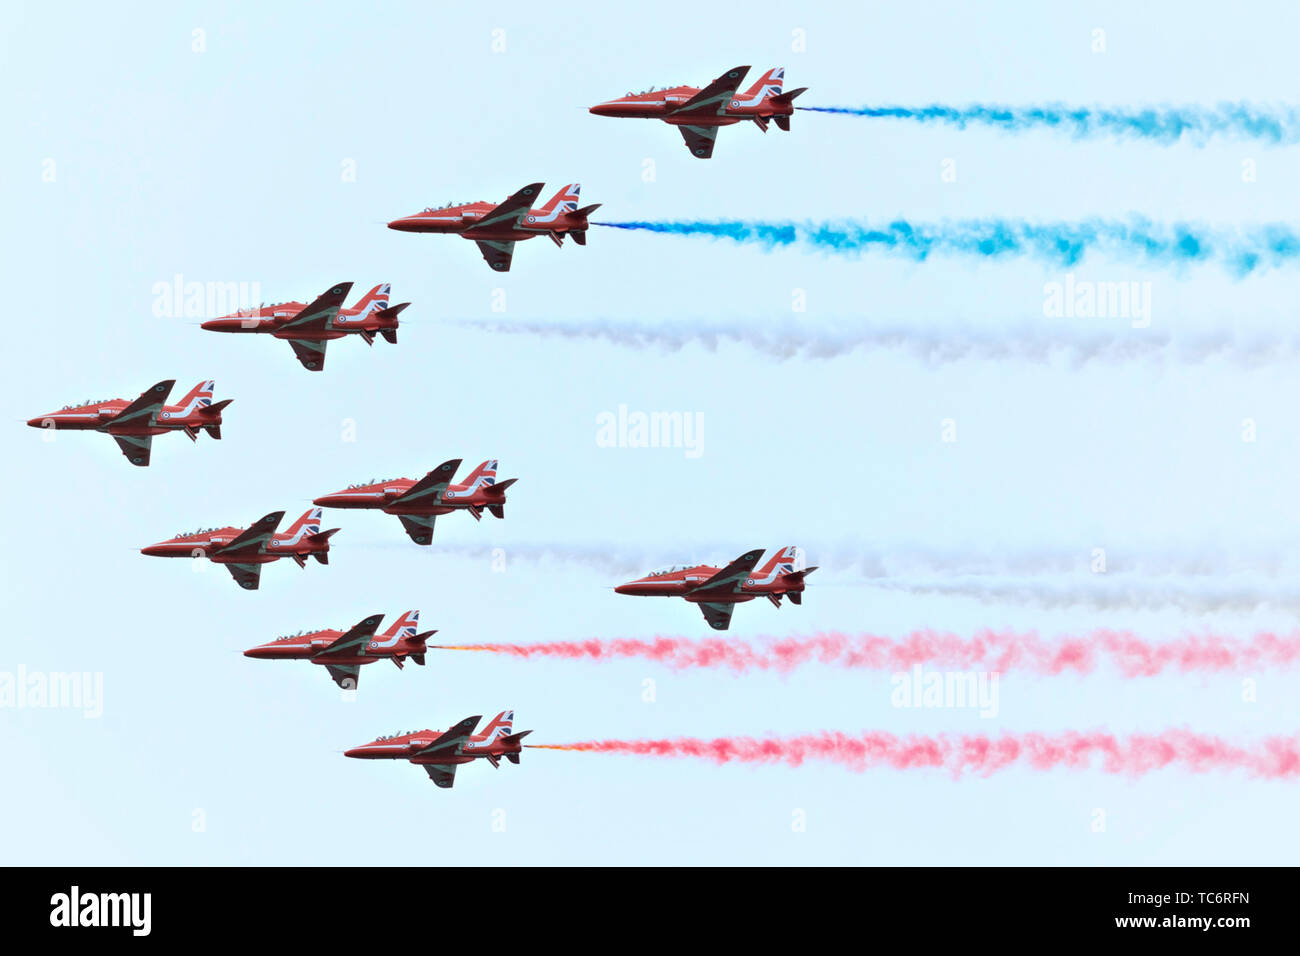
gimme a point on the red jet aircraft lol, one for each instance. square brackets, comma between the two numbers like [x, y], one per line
[344, 652]
[440, 754]
[133, 424]
[699, 113]
[496, 229]
[717, 592]
[244, 552]
[309, 328]
[418, 503]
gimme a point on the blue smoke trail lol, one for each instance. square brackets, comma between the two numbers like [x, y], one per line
[1165, 125]
[1241, 251]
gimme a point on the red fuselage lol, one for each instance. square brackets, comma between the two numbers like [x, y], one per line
[678, 582]
[273, 319]
[98, 416]
[659, 104]
[407, 747]
[457, 219]
[299, 647]
[384, 496]
[205, 544]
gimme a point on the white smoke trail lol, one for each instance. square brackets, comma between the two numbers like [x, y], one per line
[929, 346]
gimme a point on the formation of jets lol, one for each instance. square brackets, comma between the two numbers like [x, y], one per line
[440, 753]
[496, 228]
[308, 327]
[717, 591]
[418, 503]
[344, 653]
[699, 113]
[133, 424]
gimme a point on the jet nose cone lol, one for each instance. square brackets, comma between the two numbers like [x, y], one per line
[328, 501]
[258, 651]
[155, 550]
[355, 752]
[405, 224]
[629, 588]
[39, 421]
[602, 109]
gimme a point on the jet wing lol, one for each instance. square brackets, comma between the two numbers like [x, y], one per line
[246, 576]
[718, 615]
[310, 353]
[731, 578]
[498, 254]
[345, 675]
[319, 316]
[135, 447]
[356, 639]
[699, 139]
[713, 99]
[431, 486]
[442, 774]
[254, 538]
[419, 528]
[452, 740]
[146, 407]
[509, 213]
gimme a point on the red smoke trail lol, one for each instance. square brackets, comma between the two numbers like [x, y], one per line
[1272, 758]
[988, 650]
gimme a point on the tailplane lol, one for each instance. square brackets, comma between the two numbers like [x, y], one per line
[579, 230]
[794, 581]
[211, 416]
[320, 544]
[419, 640]
[511, 741]
[498, 491]
[387, 319]
[784, 100]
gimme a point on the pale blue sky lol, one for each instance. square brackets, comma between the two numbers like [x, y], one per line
[225, 166]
